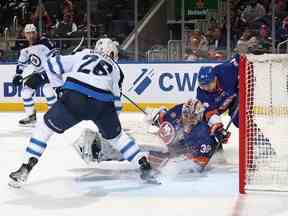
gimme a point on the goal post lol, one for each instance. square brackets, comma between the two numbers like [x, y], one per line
[263, 117]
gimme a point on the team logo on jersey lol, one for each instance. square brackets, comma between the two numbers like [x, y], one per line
[35, 60]
[167, 132]
[143, 81]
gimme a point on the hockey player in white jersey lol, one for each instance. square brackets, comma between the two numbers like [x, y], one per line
[93, 82]
[30, 67]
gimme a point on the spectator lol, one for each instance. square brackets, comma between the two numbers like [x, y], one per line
[2, 57]
[190, 55]
[261, 43]
[243, 42]
[280, 10]
[284, 29]
[68, 10]
[20, 42]
[66, 27]
[216, 55]
[41, 14]
[219, 41]
[252, 12]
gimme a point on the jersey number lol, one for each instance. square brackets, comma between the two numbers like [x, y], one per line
[101, 68]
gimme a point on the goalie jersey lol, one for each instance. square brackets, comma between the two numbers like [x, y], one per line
[89, 73]
[35, 57]
[199, 145]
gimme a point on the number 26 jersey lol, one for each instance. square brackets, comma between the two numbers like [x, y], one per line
[90, 73]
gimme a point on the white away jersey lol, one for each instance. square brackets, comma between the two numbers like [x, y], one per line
[35, 57]
[90, 73]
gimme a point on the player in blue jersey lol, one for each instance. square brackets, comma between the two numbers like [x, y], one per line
[30, 70]
[93, 83]
[182, 131]
[218, 90]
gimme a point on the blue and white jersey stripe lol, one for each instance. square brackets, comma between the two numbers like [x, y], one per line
[36, 148]
[130, 150]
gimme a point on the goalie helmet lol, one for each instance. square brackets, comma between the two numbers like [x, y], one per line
[192, 113]
[107, 47]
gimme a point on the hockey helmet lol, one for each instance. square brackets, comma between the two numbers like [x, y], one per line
[107, 47]
[206, 75]
[30, 28]
[192, 113]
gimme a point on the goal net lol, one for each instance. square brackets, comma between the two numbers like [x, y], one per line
[263, 143]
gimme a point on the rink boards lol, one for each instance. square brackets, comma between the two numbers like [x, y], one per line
[147, 84]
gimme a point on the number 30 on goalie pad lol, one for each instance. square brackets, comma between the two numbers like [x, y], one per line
[167, 132]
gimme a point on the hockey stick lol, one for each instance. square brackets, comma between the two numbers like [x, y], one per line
[78, 46]
[138, 107]
[219, 144]
[232, 117]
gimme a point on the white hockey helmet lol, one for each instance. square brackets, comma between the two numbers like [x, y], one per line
[192, 112]
[107, 47]
[30, 28]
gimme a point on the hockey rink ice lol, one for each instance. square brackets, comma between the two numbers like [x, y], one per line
[62, 184]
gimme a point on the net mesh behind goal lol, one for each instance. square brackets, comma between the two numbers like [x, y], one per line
[263, 144]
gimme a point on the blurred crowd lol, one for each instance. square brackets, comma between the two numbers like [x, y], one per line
[251, 31]
[251, 24]
[68, 19]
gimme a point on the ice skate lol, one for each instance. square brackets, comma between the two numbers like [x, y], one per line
[28, 121]
[146, 172]
[19, 177]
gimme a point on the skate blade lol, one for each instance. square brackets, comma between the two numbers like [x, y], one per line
[31, 125]
[15, 184]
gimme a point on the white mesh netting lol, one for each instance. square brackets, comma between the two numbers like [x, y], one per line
[266, 122]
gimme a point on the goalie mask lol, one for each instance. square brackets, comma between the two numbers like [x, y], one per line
[192, 113]
[107, 47]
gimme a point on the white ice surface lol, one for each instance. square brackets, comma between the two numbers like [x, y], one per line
[59, 186]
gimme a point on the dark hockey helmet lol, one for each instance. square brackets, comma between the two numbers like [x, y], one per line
[206, 75]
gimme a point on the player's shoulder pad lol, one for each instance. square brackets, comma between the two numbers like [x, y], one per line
[46, 42]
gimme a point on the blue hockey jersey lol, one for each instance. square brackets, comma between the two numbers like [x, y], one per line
[198, 144]
[225, 96]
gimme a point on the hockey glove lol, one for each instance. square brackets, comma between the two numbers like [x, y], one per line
[17, 80]
[220, 134]
[36, 80]
[223, 136]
